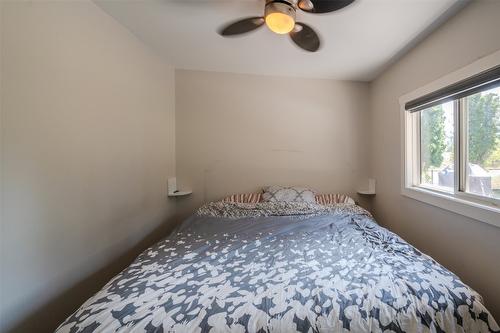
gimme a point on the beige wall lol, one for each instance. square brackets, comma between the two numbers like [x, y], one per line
[88, 140]
[236, 133]
[88, 143]
[469, 248]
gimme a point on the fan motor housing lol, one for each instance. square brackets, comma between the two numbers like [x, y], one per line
[280, 6]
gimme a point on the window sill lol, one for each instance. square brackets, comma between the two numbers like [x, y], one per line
[474, 210]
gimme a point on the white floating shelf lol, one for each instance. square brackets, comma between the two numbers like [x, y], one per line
[179, 193]
[366, 192]
[370, 190]
[172, 189]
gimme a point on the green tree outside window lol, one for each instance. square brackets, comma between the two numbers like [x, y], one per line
[484, 127]
[433, 138]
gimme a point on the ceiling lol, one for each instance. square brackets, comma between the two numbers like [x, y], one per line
[358, 42]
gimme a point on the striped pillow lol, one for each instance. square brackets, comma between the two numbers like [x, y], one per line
[244, 198]
[328, 199]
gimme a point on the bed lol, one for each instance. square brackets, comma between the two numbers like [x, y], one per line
[282, 267]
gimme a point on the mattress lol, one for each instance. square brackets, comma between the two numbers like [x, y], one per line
[283, 267]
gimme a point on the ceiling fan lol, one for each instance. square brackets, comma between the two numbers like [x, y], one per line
[279, 16]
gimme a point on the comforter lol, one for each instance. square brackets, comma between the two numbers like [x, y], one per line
[283, 267]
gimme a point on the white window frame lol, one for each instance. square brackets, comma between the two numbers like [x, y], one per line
[458, 201]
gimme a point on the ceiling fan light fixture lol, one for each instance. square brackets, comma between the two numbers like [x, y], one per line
[280, 17]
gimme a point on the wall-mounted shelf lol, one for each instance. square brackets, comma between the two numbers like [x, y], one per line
[370, 190]
[172, 189]
[179, 193]
[366, 192]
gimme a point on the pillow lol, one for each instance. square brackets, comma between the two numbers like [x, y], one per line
[328, 199]
[289, 194]
[244, 198]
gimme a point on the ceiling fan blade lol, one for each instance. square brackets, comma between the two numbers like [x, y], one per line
[242, 26]
[322, 6]
[305, 37]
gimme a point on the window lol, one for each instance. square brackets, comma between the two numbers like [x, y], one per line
[437, 147]
[452, 145]
[482, 143]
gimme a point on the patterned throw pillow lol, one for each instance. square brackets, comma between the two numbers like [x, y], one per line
[328, 199]
[244, 198]
[289, 194]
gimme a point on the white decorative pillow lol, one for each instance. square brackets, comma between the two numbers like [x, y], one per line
[289, 194]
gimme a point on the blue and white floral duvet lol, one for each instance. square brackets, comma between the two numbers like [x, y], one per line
[283, 267]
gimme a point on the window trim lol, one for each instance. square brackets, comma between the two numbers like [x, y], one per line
[468, 204]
